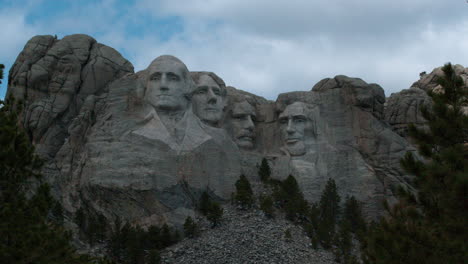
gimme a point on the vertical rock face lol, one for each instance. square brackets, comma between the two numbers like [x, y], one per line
[53, 77]
[404, 108]
[143, 146]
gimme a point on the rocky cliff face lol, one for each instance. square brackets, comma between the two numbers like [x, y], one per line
[403, 108]
[143, 146]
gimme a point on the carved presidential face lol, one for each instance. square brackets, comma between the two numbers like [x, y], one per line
[241, 125]
[296, 128]
[167, 86]
[208, 100]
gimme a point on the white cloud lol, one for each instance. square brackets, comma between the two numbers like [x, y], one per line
[268, 47]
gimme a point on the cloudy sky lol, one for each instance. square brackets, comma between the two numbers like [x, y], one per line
[264, 47]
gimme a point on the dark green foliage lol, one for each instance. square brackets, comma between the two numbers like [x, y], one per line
[93, 225]
[153, 257]
[289, 197]
[27, 234]
[1, 72]
[429, 225]
[264, 171]
[244, 194]
[266, 205]
[190, 227]
[211, 209]
[353, 214]
[204, 203]
[134, 245]
[215, 213]
[343, 242]
[287, 235]
[57, 213]
[328, 214]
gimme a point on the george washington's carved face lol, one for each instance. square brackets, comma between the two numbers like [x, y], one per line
[168, 86]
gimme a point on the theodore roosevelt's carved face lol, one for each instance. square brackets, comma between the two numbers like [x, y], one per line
[241, 124]
[296, 128]
[208, 100]
[168, 84]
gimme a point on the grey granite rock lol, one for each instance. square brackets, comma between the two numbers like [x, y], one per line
[131, 145]
[404, 107]
[53, 77]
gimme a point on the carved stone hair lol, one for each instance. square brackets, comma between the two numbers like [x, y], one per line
[196, 78]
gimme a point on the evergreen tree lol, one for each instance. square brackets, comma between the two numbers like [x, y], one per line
[329, 209]
[190, 227]
[154, 257]
[264, 172]
[27, 234]
[266, 205]
[215, 213]
[429, 225]
[289, 196]
[244, 194]
[343, 243]
[353, 214]
[204, 203]
[1, 72]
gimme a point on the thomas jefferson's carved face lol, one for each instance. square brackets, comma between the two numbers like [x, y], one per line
[241, 125]
[167, 85]
[296, 128]
[208, 100]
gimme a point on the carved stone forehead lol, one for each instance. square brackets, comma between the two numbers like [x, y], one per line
[168, 63]
[243, 108]
[295, 109]
[206, 80]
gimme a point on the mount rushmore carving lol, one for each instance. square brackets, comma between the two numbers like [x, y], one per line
[143, 146]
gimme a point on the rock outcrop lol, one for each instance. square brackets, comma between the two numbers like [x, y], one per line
[404, 108]
[143, 146]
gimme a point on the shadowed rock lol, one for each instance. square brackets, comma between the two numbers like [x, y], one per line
[143, 146]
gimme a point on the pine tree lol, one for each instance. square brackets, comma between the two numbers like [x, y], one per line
[429, 225]
[343, 243]
[329, 210]
[204, 203]
[244, 194]
[190, 227]
[266, 205]
[264, 172]
[215, 213]
[27, 234]
[354, 215]
[289, 196]
[1, 72]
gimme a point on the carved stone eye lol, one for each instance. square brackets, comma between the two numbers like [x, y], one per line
[200, 90]
[156, 77]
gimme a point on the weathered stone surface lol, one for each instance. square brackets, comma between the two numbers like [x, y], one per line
[404, 107]
[247, 237]
[133, 146]
[53, 77]
[428, 82]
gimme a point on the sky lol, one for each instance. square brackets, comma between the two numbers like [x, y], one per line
[263, 47]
